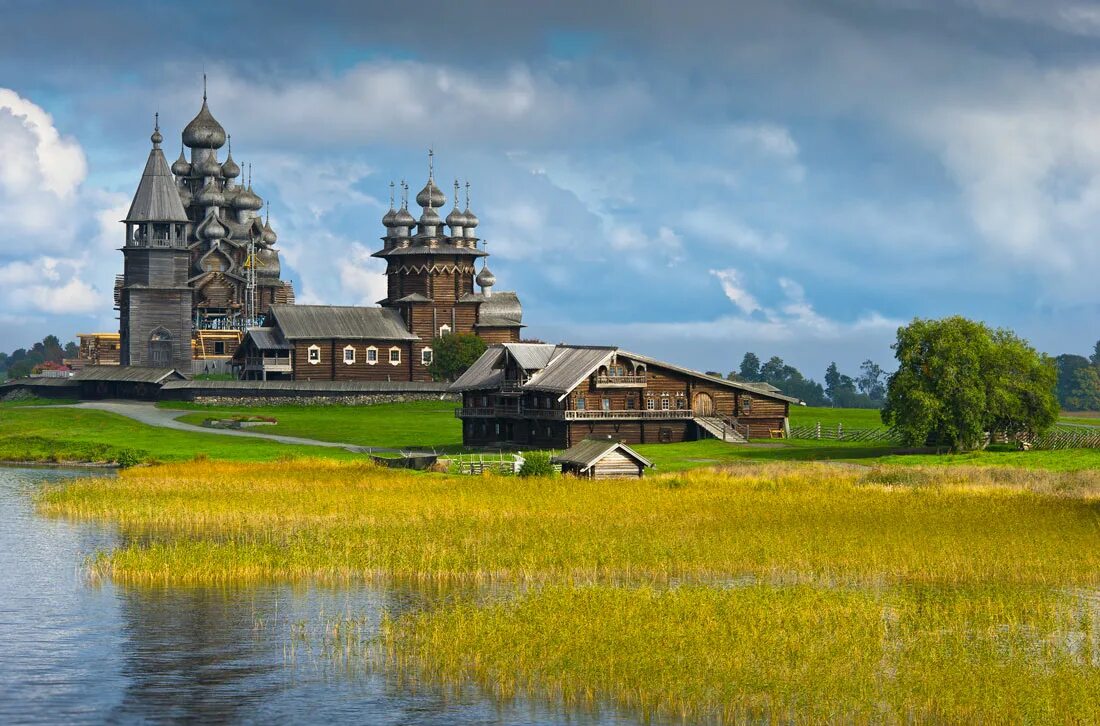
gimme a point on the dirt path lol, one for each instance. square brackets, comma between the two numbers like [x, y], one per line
[147, 413]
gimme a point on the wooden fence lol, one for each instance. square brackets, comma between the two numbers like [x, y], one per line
[477, 464]
[840, 433]
[1061, 436]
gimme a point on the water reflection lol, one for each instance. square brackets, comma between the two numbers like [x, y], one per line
[79, 652]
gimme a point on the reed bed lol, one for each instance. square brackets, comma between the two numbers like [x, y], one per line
[800, 593]
[762, 653]
[224, 522]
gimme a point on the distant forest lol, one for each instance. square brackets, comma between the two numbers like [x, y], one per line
[20, 362]
[1078, 382]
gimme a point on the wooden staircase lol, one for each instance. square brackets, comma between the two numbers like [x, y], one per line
[721, 429]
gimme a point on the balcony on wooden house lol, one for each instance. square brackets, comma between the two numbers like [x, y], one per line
[617, 375]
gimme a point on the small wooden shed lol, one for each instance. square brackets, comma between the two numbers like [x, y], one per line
[602, 459]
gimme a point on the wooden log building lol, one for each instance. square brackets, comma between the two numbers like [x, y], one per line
[555, 396]
[602, 459]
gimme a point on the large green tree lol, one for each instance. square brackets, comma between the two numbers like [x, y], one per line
[958, 379]
[453, 354]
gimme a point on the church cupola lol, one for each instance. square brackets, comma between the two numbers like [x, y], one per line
[230, 170]
[403, 221]
[471, 218]
[204, 132]
[388, 219]
[181, 167]
[456, 220]
[156, 215]
[486, 279]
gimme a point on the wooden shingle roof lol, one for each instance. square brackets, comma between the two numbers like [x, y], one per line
[589, 451]
[297, 322]
[156, 198]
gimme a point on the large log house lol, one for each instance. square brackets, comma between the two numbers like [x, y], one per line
[554, 396]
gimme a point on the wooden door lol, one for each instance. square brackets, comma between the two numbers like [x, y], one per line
[703, 405]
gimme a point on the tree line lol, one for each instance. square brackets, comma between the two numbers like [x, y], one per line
[867, 389]
[21, 361]
[1079, 380]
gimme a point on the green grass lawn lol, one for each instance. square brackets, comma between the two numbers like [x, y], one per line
[418, 424]
[869, 418]
[67, 434]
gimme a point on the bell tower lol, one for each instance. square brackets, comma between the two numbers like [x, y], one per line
[154, 297]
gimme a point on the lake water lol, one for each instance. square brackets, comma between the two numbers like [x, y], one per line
[78, 652]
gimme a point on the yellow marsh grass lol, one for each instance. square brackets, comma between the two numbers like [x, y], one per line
[219, 522]
[764, 653]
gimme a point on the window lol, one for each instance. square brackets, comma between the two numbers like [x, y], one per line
[606, 403]
[650, 404]
[219, 347]
[746, 404]
[630, 403]
[664, 404]
[372, 355]
[395, 356]
[349, 355]
[484, 401]
[580, 403]
[444, 330]
[497, 429]
[426, 356]
[548, 434]
[681, 404]
[314, 354]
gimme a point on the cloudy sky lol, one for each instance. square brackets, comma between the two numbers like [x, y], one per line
[688, 180]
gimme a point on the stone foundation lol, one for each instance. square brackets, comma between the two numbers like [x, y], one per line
[357, 399]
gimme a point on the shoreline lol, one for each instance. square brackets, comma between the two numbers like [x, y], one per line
[11, 464]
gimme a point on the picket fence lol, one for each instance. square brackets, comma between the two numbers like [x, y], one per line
[840, 433]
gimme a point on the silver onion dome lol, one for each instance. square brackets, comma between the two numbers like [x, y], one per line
[204, 132]
[389, 219]
[269, 234]
[486, 278]
[456, 219]
[181, 167]
[431, 195]
[209, 166]
[211, 228]
[471, 222]
[429, 219]
[247, 199]
[230, 169]
[156, 137]
[403, 219]
[210, 196]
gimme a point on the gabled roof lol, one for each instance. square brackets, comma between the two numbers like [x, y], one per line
[156, 198]
[530, 356]
[483, 374]
[129, 374]
[561, 368]
[589, 451]
[265, 339]
[413, 297]
[770, 391]
[568, 367]
[297, 322]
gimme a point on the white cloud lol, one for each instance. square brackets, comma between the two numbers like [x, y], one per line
[419, 102]
[734, 289]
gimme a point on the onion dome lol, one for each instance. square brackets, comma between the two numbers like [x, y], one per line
[210, 196]
[389, 219]
[456, 219]
[230, 170]
[471, 222]
[403, 219]
[211, 229]
[430, 218]
[247, 199]
[180, 167]
[156, 138]
[204, 132]
[209, 167]
[269, 234]
[431, 195]
[486, 278]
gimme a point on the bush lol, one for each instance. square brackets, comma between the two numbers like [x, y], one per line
[129, 457]
[536, 463]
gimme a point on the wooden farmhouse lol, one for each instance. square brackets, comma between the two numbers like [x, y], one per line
[555, 396]
[602, 459]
